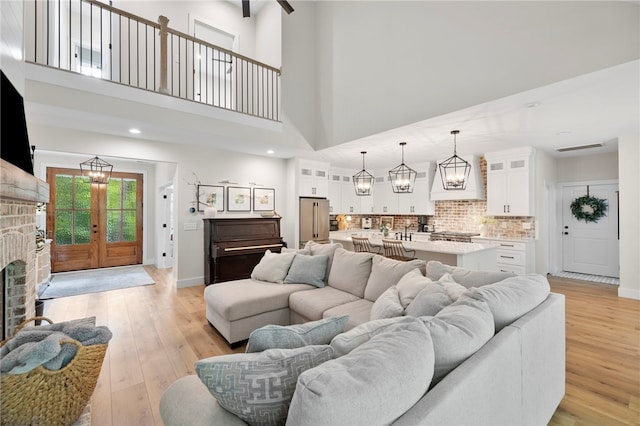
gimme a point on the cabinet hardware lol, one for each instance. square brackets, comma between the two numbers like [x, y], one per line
[507, 257]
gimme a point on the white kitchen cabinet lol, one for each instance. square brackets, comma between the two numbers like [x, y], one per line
[335, 192]
[510, 183]
[515, 256]
[313, 179]
[419, 201]
[385, 201]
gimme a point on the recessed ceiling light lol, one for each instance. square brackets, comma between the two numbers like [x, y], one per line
[134, 131]
[270, 151]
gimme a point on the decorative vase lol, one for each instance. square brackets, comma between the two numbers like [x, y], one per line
[385, 232]
[210, 212]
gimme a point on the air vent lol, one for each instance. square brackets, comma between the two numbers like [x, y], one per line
[577, 148]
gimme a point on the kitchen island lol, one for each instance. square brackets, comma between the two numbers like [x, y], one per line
[476, 256]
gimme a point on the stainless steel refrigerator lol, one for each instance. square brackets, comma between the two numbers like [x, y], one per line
[314, 220]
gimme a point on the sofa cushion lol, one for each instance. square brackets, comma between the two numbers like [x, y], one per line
[273, 267]
[308, 270]
[234, 300]
[387, 305]
[458, 331]
[431, 300]
[364, 387]
[295, 336]
[345, 342]
[323, 249]
[513, 297]
[350, 271]
[386, 272]
[466, 277]
[359, 311]
[313, 304]
[258, 387]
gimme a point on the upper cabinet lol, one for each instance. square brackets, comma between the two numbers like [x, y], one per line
[474, 189]
[313, 179]
[342, 194]
[510, 182]
[385, 201]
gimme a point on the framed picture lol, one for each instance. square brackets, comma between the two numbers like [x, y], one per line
[238, 199]
[387, 221]
[264, 199]
[210, 195]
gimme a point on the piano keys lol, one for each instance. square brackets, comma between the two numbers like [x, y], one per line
[234, 246]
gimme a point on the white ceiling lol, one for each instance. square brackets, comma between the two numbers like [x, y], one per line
[593, 108]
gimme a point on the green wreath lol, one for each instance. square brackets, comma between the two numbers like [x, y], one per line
[588, 208]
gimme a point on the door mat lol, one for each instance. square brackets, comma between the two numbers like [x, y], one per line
[95, 281]
[587, 277]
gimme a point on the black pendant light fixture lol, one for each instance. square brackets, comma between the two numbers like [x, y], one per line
[454, 171]
[402, 177]
[97, 170]
[363, 180]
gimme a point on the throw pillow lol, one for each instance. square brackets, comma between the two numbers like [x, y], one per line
[345, 342]
[258, 387]
[350, 271]
[387, 305]
[317, 249]
[373, 385]
[297, 251]
[307, 270]
[458, 331]
[386, 272]
[295, 336]
[431, 300]
[273, 267]
[511, 298]
[410, 285]
[453, 289]
[466, 277]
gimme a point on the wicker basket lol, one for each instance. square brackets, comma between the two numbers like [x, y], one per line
[46, 397]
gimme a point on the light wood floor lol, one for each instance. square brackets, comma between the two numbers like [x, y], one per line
[160, 331]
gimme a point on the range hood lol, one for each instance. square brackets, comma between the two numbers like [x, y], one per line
[475, 186]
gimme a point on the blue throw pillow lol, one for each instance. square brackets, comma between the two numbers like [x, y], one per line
[308, 270]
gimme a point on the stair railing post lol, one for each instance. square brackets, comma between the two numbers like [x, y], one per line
[164, 22]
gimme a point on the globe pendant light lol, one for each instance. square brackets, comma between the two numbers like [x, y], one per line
[98, 170]
[402, 177]
[363, 180]
[454, 171]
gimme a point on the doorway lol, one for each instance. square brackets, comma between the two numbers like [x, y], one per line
[91, 225]
[591, 247]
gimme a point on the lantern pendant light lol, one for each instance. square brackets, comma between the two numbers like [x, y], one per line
[363, 180]
[454, 171]
[98, 170]
[402, 177]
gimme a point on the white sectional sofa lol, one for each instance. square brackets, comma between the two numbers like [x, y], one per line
[494, 356]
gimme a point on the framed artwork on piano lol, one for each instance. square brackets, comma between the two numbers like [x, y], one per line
[238, 199]
[264, 199]
[210, 196]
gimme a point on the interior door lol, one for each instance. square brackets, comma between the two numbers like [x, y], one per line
[588, 247]
[91, 225]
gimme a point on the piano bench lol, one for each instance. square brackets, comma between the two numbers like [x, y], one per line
[236, 308]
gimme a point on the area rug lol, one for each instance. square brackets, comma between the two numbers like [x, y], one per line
[95, 281]
[587, 277]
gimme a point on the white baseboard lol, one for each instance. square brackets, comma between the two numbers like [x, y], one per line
[190, 282]
[628, 293]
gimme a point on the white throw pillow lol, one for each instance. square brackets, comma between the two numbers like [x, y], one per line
[387, 305]
[453, 289]
[273, 267]
[412, 283]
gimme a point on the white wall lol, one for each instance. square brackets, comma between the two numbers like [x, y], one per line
[269, 34]
[210, 165]
[629, 159]
[431, 67]
[588, 167]
[11, 42]
[545, 179]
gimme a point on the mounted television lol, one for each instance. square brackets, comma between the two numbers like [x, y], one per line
[14, 139]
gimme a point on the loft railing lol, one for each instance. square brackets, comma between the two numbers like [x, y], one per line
[93, 38]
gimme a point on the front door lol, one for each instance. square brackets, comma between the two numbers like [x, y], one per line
[591, 247]
[92, 225]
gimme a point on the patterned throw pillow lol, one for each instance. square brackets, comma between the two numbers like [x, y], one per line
[258, 387]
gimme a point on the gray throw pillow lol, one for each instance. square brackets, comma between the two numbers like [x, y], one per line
[296, 251]
[412, 283]
[345, 342]
[318, 332]
[467, 277]
[258, 387]
[307, 270]
[318, 249]
[386, 272]
[273, 267]
[387, 305]
[373, 385]
[431, 300]
[350, 271]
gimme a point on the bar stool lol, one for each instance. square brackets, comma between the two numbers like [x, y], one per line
[394, 249]
[362, 244]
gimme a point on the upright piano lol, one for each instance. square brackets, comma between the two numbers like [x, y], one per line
[234, 246]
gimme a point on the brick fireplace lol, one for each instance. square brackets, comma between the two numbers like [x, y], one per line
[19, 194]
